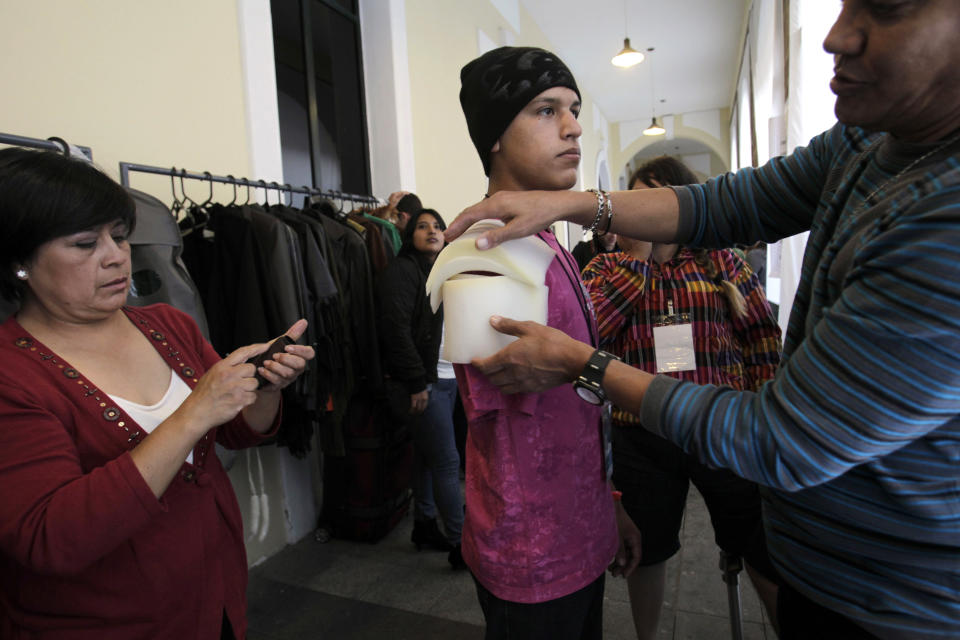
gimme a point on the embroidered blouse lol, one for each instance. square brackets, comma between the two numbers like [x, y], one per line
[631, 297]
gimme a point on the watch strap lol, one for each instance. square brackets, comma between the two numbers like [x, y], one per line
[592, 375]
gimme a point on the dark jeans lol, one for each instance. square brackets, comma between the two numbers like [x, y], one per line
[436, 483]
[578, 616]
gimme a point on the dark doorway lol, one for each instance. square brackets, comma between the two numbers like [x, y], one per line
[320, 94]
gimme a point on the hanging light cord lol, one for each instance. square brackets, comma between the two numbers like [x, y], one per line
[653, 87]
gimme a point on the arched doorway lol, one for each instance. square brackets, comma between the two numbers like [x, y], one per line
[700, 157]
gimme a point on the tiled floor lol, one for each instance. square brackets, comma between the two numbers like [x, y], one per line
[353, 591]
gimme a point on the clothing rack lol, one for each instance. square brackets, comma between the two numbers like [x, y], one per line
[50, 144]
[173, 172]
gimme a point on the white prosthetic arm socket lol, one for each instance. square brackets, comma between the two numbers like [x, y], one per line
[515, 289]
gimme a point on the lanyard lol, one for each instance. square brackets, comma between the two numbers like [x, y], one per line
[577, 284]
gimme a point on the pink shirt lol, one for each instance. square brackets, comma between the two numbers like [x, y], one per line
[539, 521]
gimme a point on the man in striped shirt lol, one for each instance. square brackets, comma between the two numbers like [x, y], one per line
[857, 438]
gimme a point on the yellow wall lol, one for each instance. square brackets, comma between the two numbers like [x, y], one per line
[146, 82]
[449, 175]
[161, 83]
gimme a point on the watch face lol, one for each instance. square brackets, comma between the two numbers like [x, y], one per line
[587, 394]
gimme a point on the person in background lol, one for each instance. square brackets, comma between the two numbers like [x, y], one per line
[756, 255]
[411, 336]
[116, 518]
[401, 205]
[857, 436]
[407, 207]
[731, 338]
[541, 523]
[585, 250]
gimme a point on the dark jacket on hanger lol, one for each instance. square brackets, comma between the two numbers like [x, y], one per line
[354, 344]
[254, 288]
[378, 250]
[355, 283]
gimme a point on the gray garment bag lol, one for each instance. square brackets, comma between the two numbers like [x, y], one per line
[158, 273]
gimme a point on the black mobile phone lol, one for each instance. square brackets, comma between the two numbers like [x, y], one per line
[277, 346]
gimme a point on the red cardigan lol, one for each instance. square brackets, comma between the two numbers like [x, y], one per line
[86, 550]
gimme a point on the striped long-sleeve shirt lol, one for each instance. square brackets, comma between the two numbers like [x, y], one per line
[858, 435]
[630, 297]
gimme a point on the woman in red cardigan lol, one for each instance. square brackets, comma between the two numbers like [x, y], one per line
[116, 518]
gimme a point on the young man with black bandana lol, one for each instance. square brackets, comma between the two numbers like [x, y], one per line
[541, 524]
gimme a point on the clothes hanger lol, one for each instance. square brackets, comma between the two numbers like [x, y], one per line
[187, 199]
[189, 221]
[308, 201]
[208, 176]
[233, 183]
[177, 205]
[247, 183]
[200, 213]
[276, 186]
[266, 193]
[289, 193]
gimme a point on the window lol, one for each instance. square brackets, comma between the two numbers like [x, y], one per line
[319, 73]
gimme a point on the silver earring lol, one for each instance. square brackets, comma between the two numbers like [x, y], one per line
[22, 274]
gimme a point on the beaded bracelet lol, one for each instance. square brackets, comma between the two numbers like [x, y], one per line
[601, 197]
[609, 207]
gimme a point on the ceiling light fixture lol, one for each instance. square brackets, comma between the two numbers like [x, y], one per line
[654, 129]
[628, 56]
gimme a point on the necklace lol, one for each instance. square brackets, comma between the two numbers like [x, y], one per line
[940, 147]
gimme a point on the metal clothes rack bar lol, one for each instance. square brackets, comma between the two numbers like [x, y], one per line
[127, 167]
[37, 143]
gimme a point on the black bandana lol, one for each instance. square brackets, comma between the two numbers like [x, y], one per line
[495, 87]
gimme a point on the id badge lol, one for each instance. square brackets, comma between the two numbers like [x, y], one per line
[673, 345]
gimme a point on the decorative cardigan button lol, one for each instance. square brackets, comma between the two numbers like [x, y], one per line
[71, 373]
[189, 476]
[187, 371]
[156, 335]
[23, 343]
[111, 414]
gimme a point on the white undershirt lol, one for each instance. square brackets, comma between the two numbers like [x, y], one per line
[444, 367]
[149, 417]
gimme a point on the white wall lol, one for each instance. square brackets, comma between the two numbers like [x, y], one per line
[387, 84]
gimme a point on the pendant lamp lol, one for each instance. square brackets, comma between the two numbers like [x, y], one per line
[628, 56]
[654, 129]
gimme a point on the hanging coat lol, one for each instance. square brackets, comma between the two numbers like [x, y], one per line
[157, 272]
